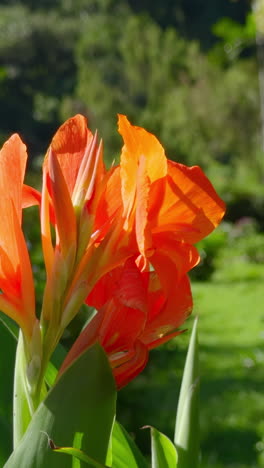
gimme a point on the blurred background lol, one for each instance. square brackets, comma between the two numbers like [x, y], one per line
[192, 72]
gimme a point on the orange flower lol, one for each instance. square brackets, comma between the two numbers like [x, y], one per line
[124, 242]
[17, 291]
[163, 208]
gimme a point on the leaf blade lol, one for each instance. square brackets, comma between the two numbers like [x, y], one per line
[81, 401]
[186, 436]
[124, 450]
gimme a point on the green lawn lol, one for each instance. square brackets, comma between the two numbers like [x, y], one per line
[231, 336]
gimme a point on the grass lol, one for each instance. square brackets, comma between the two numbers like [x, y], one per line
[231, 336]
[232, 370]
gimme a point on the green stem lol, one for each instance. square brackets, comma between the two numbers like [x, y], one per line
[22, 403]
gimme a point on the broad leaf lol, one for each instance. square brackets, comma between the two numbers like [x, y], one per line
[82, 401]
[124, 450]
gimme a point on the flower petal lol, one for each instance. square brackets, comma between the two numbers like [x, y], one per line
[186, 202]
[167, 309]
[132, 367]
[121, 326]
[16, 281]
[181, 256]
[64, 212]
[137, 143]
[30, 196]
[69, 145]
[13, 157]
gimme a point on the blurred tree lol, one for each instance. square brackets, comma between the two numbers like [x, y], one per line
[38, 62]
[193, 18]
[36, 70]
[201, 112]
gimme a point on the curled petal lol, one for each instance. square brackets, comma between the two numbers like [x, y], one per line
[170, 253]
[128, 370]
[30, 196]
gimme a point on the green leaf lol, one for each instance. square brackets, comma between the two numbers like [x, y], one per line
[163, 451]
[76, 453]
[186, 436]
[124, 450]
[79, 455]
[82, 401]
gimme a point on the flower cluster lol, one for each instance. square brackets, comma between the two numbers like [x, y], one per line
[120, 240]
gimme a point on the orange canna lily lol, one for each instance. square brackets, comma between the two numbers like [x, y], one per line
[164, 208]
[124, 238]
[17, 298]
[124, 243]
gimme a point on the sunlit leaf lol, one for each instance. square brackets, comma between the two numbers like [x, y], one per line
[125, 453]
[77, 454]
[163, 451]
